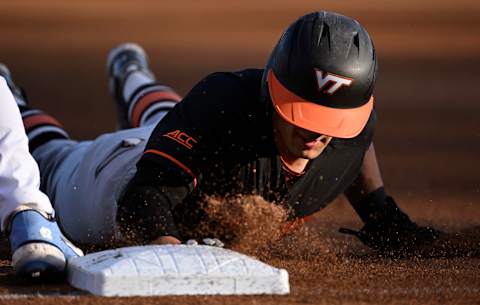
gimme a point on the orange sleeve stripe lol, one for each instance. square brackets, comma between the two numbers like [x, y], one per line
[150, 98]
[180, 164]
[39, 119]
[295, 224]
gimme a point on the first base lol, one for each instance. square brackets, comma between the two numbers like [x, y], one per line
[174, 270]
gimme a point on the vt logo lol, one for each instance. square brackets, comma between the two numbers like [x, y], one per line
[181, 138]
[329, 83]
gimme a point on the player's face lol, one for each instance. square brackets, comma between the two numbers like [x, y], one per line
[297, 142]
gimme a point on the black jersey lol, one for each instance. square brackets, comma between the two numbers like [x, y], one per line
[219, 140]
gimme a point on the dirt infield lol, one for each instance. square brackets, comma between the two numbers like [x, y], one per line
[428, 138]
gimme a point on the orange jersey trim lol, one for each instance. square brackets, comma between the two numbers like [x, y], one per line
[293, 225]
[147, 100]
[40, 119]
[288, 170]
[178, 163]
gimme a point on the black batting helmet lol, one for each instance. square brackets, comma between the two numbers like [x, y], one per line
[321, 75]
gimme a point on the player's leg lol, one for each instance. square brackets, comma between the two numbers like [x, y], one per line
[140, 99]
[48, 142]
[83, 179]
[38, 247]
[70, 176]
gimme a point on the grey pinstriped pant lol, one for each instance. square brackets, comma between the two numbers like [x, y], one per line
[84, 180]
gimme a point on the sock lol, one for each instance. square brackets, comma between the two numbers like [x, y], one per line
[150, 103]
[135, 79]
[40, 127]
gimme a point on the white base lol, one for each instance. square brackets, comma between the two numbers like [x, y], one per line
[174, 270]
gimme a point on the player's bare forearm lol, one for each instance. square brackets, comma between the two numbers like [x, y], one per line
[370, 178]
[366, 194]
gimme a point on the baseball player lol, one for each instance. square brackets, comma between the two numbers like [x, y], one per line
[26, 214]
[298, 133]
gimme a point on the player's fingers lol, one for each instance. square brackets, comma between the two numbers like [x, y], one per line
[166, 240]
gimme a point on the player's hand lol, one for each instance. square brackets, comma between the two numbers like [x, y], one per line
[166, 240]
[395, 239]
[213, 242]
[392, 232]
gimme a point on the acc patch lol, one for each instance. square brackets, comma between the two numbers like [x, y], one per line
[181, 138]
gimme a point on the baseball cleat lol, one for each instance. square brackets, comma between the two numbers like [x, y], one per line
[39, 248]
[17, 92]
[121, 62]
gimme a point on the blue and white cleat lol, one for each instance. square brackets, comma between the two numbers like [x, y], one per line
[39, 248]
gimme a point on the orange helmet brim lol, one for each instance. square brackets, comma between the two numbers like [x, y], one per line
[335, 122]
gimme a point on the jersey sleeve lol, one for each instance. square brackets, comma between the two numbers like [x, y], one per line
[179, 149]
[190, 137]
[19, 174]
